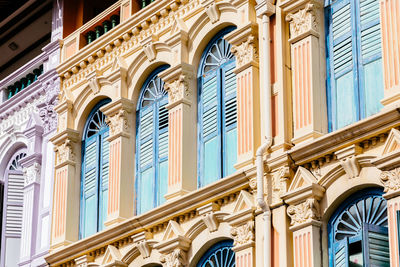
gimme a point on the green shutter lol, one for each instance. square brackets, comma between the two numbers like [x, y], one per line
[90, 196]
[376, 246]
[105, 154]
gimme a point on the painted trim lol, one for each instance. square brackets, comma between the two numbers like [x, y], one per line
[214, 248]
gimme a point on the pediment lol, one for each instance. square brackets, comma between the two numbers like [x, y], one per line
[392, 142]
[178, 25]
[244, 201]
[302, 178]
[173, 230]
[112, 255]
[119, 63]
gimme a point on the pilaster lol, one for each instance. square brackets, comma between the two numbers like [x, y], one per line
[120, 183]
[65, 215]
[306, 40]
[390, 21]
[179, 81]
[244, 43]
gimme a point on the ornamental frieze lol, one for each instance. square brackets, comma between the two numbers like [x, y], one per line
[391, 180]
[304, 212]
[302, 21]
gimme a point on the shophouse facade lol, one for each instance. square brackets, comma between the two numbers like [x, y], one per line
[228, 133]
[30, 34]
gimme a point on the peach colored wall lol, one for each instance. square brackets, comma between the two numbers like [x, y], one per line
[245, 113]
[302, 249]
[175, 146]
[393, 207]
[114, 176]
[390, 27]
[244, 260]
[60, 192]
[301, 56]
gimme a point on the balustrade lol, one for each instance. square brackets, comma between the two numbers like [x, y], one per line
[24, 82]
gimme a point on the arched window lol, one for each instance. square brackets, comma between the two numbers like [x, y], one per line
[95, 163]
[217, 111]
[354, 60]
[12, 209]
[152, 144]
[358, 233]
[220, 254]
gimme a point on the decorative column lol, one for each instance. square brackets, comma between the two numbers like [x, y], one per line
[179, 81]
[390, 21]
[304, 212]
[308, 69]
[120, 182]
[32, 173]
[244, 43]
[65, 215]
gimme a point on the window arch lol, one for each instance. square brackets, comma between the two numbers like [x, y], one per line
[152, 143]
[11, 200]
[95, 165]
[354, 61]
[217, 111]
[358, 233]
[220, 254]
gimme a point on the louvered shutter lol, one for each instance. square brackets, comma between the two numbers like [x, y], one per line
[341, 256]
[210, 140]
[376, 246]
[1, 209]
[162, 150]
[146, 159]
[104, 163]
[229, 118]
[15, 199]
[90, 187]
[342, 67]
[370, 60]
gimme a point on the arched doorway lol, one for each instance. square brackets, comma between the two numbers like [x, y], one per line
[220, 254]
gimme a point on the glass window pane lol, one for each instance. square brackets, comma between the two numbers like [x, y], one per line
[373, 83]
[346, 111]
[211, 159]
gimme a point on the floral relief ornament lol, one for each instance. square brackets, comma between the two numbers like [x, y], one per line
[391, 180]
[176, 258]
[243, 234]
[119, 122]
[304, 212]
[246, 51]
[302, 21]
[179, 89]
[32, 174]
[65, 152]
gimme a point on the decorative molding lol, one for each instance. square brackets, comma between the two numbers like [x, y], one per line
[304, 212]
[64, 152]
[246, 52]
[207, 213]
[112, 258]
[179, 89]
[303, 21]
[46, 109]
[177, 258]
[349, 161]
[149, 48]
[32, 173]
[212, 10]
[243, 234]
[392, 142]
[83, 261]
[118, 122]
[302, 178]
[391, 180]
[142, 243]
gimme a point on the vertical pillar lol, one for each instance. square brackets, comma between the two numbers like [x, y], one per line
[245, 46]
[65, 215]
[308, 71]
[120, 183]
[390, 32]
[179, 81]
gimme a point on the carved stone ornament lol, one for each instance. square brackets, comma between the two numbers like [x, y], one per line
[243, 234]
[177, 258]
[391, 180]
[212, 10]
[304, 212]
[179, 89]
[32, 174]
[302, 21]
[46, 109]
[246, 51]
[118, 122]
[64, 152]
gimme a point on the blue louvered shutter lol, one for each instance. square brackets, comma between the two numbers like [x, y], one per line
[210, 134]
[90, 187]
[340, 250]
[104, 163]
[376, 246]
[343, 98]
[229, 118]
[370, 58]
[162, 150]
[146, 158]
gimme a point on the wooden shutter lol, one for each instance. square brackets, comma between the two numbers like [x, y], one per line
[104, 163]
[343, 98]
[162, 150]
[146, 159]
[341, 256]
[210, 140]
[370, 59]
[376, 246]
[90, 188]
[229, 118]
[14, 206]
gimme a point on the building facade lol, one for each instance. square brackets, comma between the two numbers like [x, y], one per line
[30, 35]
[228, 133]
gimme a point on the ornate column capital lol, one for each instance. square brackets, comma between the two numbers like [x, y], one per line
[117, 117]
[178, 81]
[65, 117]
[265, 7]
[47, 110]
[391, 182]
[32, 174]
[65, 147]
[304, 213]
[243, 235]
[176, 258]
